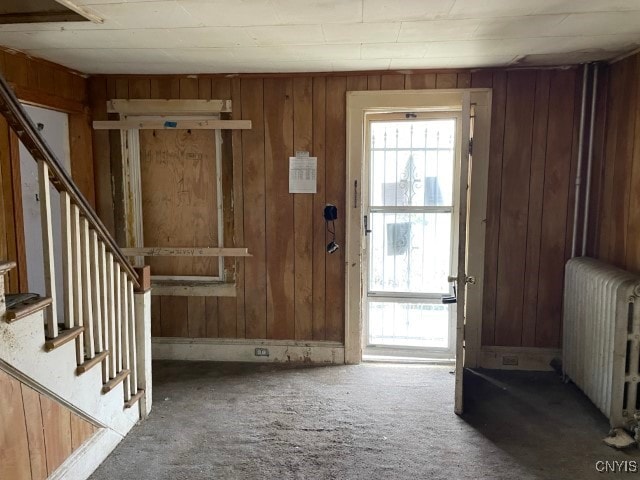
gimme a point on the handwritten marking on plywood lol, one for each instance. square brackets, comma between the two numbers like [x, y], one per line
[179, 192]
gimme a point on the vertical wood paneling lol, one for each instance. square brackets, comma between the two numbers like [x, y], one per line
[446, 80]
[319, 231]
[419, 81]
[278, 125]
[303, 212]
[392, 82]
[632, 255]
[56, 421]
[623, 170]
[35, 433]
[291, 288]
[81, 155]
[335, 194]
[238, 204]
[101, 154]
[14, 446]
[618, 180]
[534, 219]
[514, 206]
[253, 175]
[556, 223]
[81, 431]
[174, 322]
[494, 196]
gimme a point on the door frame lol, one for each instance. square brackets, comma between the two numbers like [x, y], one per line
[444, 353]
[361, 103]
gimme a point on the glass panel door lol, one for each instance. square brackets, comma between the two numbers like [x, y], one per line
[412, 166]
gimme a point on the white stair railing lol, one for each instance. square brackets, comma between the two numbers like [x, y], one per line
[98, 282]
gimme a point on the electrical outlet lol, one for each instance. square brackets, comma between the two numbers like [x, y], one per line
[510, 360]
[262, 352]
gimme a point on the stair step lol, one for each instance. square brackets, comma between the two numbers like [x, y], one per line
[64, 337]
[132, 401]
[24, 304]
[92, 362]
[111, 384]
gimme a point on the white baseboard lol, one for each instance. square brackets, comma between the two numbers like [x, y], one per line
[232, 350]
[84, 461]
[518, 358]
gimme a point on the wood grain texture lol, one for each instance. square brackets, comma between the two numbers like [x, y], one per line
[335, 194]
[494, 196]
[617, 186]
[56, 421]
[514, 205]
[81, 431]
[319, 230]
[35, 433]
[556, 220]
[303, 211]
[270, 303]
[253, 176]
[238, 207]
[278, 125]
[81, 155]
[14, 446]
[534, 219]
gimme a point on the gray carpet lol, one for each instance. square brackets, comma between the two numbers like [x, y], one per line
[372, 421]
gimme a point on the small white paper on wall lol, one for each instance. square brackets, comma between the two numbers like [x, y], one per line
[303, 173]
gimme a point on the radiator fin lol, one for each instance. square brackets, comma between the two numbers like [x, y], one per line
[601, 336]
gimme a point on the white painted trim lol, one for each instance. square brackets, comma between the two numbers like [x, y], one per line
[529, 358]
[481, 102]
[358, 104]
[231, 350]
[88, 457]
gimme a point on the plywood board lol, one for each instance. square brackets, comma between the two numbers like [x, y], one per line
[179, 206]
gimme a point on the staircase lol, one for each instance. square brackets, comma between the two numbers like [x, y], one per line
[98, 359]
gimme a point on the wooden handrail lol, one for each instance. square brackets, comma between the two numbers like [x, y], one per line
[21, 123]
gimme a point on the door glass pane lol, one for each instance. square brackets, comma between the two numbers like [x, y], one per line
[410, 252]
[412, 163]
[408, 324]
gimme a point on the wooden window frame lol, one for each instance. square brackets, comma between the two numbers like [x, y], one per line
[154, 110]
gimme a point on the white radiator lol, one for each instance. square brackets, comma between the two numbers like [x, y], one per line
[601, 332]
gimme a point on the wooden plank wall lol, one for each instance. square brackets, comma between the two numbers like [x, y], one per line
[616, 186]
[533, 153]
[290, 288]
[37, 434]
[47, 85]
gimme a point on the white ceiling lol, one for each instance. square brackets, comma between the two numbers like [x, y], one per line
[229, 36]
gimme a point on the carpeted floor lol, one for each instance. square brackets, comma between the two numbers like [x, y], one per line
[371, 421]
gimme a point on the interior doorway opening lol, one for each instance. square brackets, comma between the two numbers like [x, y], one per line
[412, 178]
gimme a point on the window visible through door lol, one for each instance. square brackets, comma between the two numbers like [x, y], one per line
[412, 191]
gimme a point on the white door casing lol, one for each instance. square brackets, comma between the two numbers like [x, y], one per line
[358, 105]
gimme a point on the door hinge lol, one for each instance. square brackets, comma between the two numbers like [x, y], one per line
[471, 146]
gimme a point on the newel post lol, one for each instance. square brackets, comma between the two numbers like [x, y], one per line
[142, 298]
